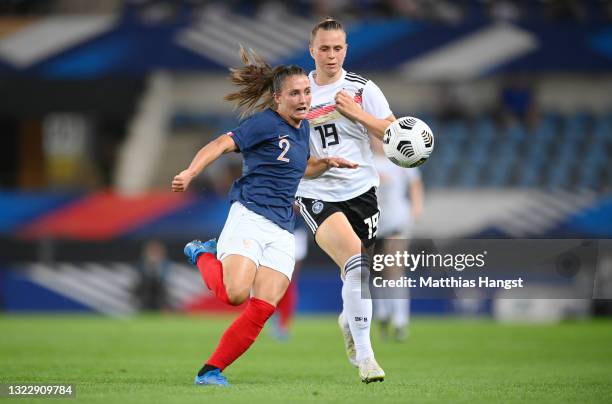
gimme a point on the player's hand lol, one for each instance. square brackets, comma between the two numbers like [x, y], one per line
[339, 162]
[346, 105]
[181, 181]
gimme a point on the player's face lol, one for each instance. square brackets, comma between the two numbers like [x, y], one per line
[294, 98]
[328, 49]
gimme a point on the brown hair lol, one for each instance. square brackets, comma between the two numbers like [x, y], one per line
[328, 24]
[258, 82]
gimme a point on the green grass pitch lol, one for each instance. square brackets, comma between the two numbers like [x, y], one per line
[152, 359]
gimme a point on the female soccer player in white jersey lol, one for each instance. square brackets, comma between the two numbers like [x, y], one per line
[340, 207]
[256, 247]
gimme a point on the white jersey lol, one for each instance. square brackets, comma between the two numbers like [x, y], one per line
[332, 134]
[393, 199]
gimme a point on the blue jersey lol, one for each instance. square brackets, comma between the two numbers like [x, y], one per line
[275, 158]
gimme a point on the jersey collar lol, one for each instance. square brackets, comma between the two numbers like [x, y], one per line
[312, 74]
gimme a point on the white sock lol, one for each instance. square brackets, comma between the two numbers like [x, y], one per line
[382, 309]
[400, 312]
[357, 311]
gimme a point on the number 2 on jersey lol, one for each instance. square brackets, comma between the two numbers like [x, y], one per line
[372, 223]
[284, 145]
[329, 134]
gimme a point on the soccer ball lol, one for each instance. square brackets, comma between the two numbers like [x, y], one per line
[408, 142]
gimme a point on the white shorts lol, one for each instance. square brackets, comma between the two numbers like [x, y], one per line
[251, 235]
[301, 243]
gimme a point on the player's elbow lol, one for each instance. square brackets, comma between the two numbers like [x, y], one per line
[225, 144]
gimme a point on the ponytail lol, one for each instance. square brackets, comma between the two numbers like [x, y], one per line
[255, 80]
[258, 82]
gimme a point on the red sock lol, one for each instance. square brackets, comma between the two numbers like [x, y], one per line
[286, 307]
[241, 334]
[211, 270]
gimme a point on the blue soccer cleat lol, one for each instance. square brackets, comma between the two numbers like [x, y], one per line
[211, 378]
[194, 248]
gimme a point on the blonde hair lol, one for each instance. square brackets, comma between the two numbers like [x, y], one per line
[328, 24]
[258, 82]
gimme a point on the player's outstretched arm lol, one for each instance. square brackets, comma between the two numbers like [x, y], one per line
[206, 155]
[317, 166]
[346, 105]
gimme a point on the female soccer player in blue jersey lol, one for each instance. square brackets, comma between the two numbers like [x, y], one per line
[254, 258]
[340, 206]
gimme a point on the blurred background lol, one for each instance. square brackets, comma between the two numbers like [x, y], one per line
[102, 103]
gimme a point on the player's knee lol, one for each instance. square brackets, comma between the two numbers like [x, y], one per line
[237, 295]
